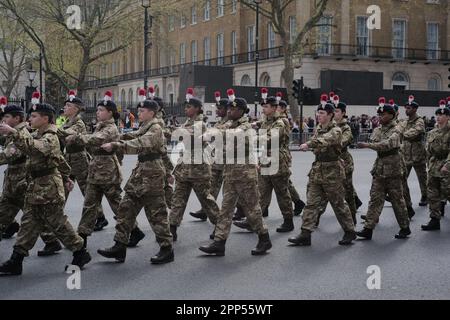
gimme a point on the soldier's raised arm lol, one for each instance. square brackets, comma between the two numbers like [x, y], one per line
[393, 142]
[416, 131]
[150, 140]
[330, 138]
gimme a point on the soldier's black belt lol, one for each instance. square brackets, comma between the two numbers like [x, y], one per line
[416, 139]
[74, 149]
[149, 157]
[388, 153]
[42, 173]
[103, 153]
[20, 160]
[326, 158]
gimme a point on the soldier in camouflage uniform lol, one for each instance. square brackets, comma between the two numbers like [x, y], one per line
[347, 161]
[191, 176]
[44, 198]
[413, 147]
[326, 178]
[387, 175]
[145, 188]
[438, 149]
[240, 184]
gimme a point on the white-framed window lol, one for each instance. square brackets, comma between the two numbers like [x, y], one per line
[183, 21]
[292, 29]
[324, 36]
[432, 41]
[220, 8]
[172, 59]
[246, 80]
[233, 47]
[194, 55]
[270, 40]
[400, 81]
[207, 11]
[362, 36]
[233, 6]
[220, 49]
[434, 84]
[194, 15]
[207, 50]
[182, 53]
[265, 80]
[399, 39]
[171, 23]
[251, 41]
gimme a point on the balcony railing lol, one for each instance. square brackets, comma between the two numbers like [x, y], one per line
[337, 51]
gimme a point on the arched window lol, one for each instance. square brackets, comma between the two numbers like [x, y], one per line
[123, 98]
[246, 81]
[157, 90]
[400, 81]
[265, 80]
[130, 98]
[434, 83]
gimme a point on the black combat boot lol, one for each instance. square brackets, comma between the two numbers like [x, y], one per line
[287, 226]
[303, 239]
[165, 255]
[216, 247]
[50, 249]
[239, 214]
[443, 203]
[118, 252]
[135, 237]
[263, 245]
[100, 223]
[349, 236]
[213, 235]
[411, 213]
[13, 266]
[11, 230]
[403, 233]
[81, 258]
[365, 233]
[423, 201]
[173, 231]
[434, 224]
[265, 213]
[84, 240]
[243, 224]
[199, 215]
[358, 202]
[298, 207]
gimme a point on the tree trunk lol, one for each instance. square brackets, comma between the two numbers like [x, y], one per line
[288, 77]
[82, 73]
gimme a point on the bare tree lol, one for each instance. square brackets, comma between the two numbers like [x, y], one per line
[277, 11]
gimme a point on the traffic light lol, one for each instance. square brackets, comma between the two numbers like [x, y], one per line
[298, 90]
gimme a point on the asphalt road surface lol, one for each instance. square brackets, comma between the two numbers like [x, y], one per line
[409, 269]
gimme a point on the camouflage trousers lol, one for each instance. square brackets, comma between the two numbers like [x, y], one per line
[295, 197]
[333, 193]
[438, 190]
[181, 195]
[380, 187]
[350, 194]
[421, 172]
[216, 182]
[280, 184]
[156, 212]
[168, 192]
[246, 192]
[37, 218]
[93, 199]
[10, 207]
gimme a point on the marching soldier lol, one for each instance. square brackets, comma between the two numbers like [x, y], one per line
[387, 175]
[413, 147]
[191, 176]
[326, 178]
[145, 188]
[438, 149]
[240, 184]
[44, 198]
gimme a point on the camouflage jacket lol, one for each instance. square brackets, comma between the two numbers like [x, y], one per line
[15, 180]
[220, 128]
[347, 140]
[285, 119]
[148, 176]
[232, 170]
[191, 171]
[327, 147]
[45, 162]
[385, 140]
[413, 133]
[104, 168]
[438, 150]
[277, 123]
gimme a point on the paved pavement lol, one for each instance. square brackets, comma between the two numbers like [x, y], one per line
[411, 269]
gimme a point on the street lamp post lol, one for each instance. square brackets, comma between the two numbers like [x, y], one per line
[30, 89]
[257, 3]
[146, 5]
